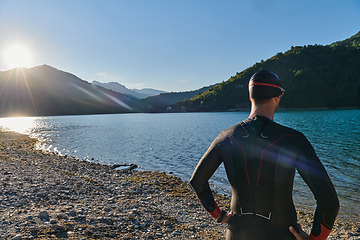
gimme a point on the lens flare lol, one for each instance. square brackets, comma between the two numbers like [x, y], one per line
[17, 56]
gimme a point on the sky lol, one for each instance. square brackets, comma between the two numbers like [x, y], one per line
[166, 44]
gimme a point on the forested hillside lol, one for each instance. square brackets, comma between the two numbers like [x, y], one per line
[353, 41]
[313, 76]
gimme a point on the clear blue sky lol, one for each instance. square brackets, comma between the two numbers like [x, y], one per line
[166, 44]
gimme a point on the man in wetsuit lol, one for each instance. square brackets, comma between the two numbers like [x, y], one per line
[260, 158]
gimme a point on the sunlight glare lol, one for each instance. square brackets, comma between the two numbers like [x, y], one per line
[21, 125]
[17, 56]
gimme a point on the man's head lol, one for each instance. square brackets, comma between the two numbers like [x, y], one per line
[265, 93]
[265, 84]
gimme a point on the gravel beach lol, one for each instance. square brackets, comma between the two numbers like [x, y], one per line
[48, 196]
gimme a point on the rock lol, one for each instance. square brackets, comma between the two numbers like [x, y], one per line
[167, 222]
[72, 213]
[17, 237]
[44, 215]
[58, 227]
[19, 204]
[61, 216]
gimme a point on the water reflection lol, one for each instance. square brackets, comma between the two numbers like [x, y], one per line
[23, 125]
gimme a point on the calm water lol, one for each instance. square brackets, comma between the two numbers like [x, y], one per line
[176, 142]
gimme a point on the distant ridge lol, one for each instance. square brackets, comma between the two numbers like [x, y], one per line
[168, 99]
[137, 93]
[44, 90]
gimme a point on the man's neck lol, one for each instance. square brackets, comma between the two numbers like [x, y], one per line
[264, 111]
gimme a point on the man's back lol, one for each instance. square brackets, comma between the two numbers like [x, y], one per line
[260, 158]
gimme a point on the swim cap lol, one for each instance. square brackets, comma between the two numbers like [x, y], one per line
[265, 84]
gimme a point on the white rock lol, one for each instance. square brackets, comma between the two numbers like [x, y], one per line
[17, 237]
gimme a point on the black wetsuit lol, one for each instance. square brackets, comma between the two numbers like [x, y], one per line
[260, 158]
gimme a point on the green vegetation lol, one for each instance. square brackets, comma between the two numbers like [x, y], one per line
[353, 41]
[313, 76]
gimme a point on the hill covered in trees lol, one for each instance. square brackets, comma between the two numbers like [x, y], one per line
[353, 41]
[313, 76]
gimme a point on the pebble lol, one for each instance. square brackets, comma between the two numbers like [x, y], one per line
[58, 227]
[17, 237]
[43, 214]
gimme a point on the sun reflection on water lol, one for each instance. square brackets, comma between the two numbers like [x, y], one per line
[22, 125]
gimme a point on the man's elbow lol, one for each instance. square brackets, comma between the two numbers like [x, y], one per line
[198, 185]
[192, 182]
[333, 205]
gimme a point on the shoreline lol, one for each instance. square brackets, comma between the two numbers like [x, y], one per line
[48, 196]
[182, 111]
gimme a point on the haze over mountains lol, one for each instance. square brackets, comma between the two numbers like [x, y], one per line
[314, 76]
[137, 93]
[153, 98]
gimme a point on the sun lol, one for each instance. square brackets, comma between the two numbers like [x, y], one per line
[17, 56]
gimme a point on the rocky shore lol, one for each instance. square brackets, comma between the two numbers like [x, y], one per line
[48, 196]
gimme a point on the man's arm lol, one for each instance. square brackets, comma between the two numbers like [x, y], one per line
[316, 177]
[199, 180]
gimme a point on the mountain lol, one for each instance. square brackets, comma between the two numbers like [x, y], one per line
[148, 92]
[44, 90]
[153, 100]
[160, 102]
[313, 76]
[137, 93]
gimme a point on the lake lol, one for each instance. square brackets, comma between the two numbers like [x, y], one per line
[174, 142]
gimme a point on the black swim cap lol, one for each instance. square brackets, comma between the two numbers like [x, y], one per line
[265, 84]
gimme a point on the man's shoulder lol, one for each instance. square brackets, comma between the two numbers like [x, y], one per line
[280, 131]
[234, 128]
[228, 132]
[287, 129]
